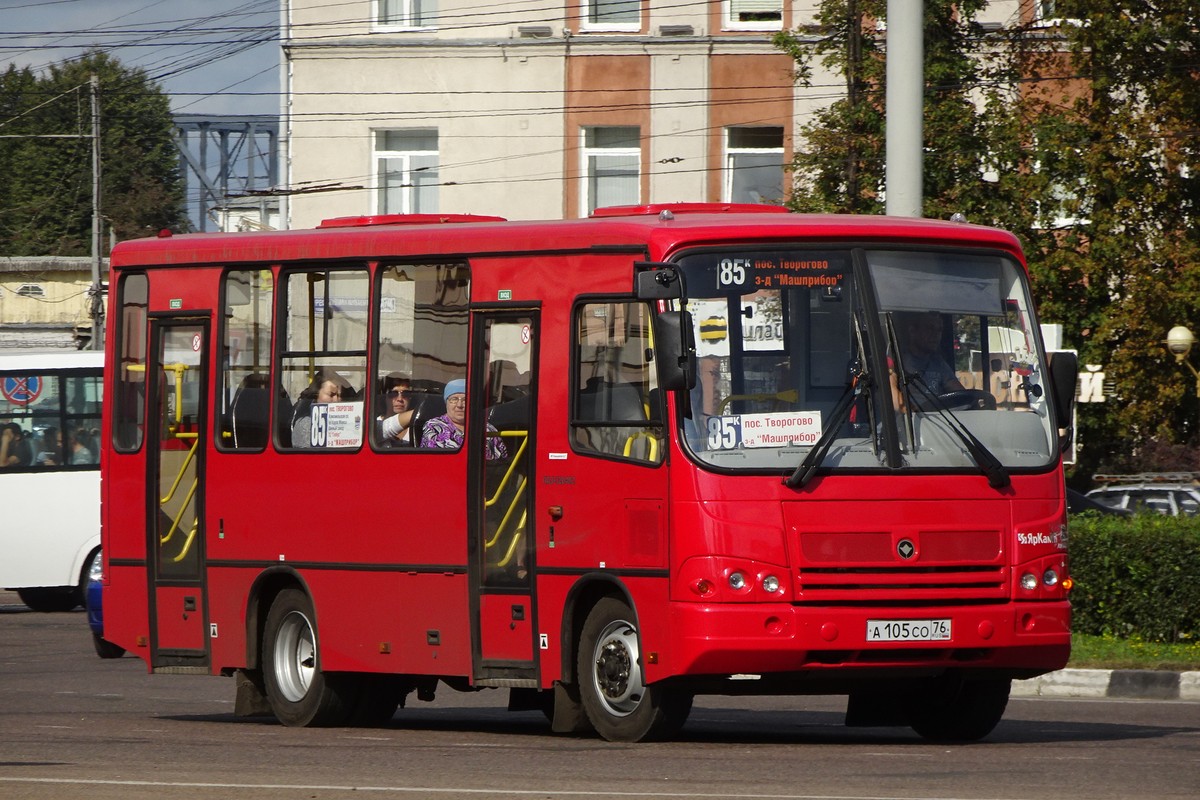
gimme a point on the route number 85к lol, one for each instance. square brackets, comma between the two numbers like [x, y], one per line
[732, 271]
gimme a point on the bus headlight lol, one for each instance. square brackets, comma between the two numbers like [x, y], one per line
[737, 581]
[1029, 581]
[770, 584]
[1050, 577]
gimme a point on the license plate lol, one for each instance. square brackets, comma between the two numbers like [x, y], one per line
[908, 630]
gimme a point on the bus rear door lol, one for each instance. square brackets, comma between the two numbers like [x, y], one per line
[175, 495]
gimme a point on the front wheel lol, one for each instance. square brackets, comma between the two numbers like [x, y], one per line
[617, 700]
[960, 711]
[300, 693]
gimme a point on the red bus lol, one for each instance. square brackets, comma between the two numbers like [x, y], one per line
[608, 464]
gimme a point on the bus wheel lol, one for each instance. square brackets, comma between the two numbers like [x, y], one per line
[619, 704]
[300, 694]
[964, 711]
[50, 598]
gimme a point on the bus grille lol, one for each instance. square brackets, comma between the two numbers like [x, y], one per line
[902, 585]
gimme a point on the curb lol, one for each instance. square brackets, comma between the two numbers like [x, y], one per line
[1145, 684]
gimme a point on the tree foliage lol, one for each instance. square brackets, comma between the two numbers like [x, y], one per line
[1081, 139]
[46, 183]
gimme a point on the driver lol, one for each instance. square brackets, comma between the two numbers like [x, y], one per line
[920, 338]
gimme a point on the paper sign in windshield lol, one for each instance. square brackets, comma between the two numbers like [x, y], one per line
[336, 425]
[784, 429]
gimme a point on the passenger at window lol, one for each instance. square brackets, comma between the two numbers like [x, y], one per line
[15, 450]
[920, 339]
[327, 387]
[51, 450]
[82, 451]
[448, 430]
[395, 424]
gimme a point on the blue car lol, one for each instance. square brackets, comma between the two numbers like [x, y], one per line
[95, 611]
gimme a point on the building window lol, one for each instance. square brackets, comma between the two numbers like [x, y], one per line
[1046, 9]
[406, 13]
[407, 168]
[30, 290]
[611, 167]
[753, 165]
[612, 15]
[753, 15]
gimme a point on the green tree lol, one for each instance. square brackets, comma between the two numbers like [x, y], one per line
[1082, 140]
[46, 183]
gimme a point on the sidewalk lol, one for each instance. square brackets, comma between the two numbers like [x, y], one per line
[1143, 684]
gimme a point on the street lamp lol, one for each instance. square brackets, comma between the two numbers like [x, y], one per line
[1179, 342]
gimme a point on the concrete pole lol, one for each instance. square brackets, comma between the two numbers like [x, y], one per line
[905, 107]
[96, 301]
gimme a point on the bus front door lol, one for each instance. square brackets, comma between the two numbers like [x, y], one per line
[500, 423]
[179, 639]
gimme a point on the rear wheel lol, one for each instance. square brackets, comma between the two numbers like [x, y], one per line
[51, 598]
[960, 711]
[105, 648]
[300, 693]
[618, 703]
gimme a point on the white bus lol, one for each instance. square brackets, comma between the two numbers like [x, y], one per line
[49, 474]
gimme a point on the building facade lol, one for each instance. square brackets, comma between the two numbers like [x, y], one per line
[532, 109]
[536, 109]
[45, 301]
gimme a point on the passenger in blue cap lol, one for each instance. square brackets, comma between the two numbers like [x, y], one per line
[447, 431]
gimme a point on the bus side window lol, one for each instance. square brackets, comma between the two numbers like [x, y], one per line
[324, 341]
[615, 406]
[129, 379]
[422, 323]
[245, 393]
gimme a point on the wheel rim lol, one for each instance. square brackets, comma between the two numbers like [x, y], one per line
[618, 674]
[295, 656]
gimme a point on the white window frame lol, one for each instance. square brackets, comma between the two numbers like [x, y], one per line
[730, 7]
[586, 23]
[409, 190]
[731, 153]
[408, 7]
[586, 154]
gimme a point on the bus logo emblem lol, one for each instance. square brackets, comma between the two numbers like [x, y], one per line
[906, 549]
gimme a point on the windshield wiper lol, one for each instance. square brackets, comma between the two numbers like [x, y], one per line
[841, 412]
[985, 459]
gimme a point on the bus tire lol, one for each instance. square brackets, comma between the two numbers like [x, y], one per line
[618, 702]
[299, 692]
[105, 648]
[961, 710]
[50, 599]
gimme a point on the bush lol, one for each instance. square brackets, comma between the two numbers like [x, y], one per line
[1136, 576]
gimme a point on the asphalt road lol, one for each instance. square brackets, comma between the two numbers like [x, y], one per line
[73, 725]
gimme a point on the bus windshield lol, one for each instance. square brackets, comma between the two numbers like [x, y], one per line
[878, 358]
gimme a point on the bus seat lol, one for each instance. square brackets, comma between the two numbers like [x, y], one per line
[603, 401]
[510, 415]
[248, 417]
[427, 405]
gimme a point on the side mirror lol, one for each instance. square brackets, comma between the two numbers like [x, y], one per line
[675, 350]
[656, 281]
[1064, 373]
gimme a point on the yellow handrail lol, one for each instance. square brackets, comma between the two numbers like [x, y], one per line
[512, 467]
[187, 545]
[653, 454]
[175, 522]
[182, 467]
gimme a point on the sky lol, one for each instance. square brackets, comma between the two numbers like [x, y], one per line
[210, 56]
